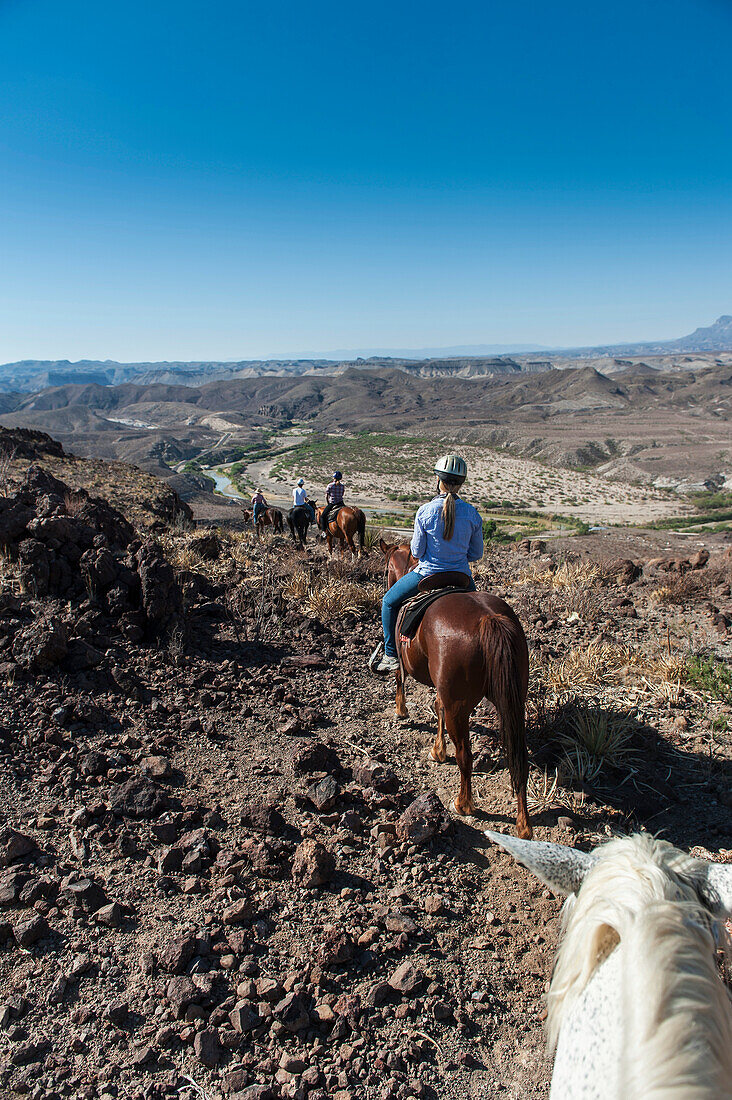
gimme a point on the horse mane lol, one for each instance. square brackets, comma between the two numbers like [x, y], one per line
[677, 1015]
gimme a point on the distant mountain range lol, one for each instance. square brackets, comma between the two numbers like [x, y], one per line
[458, 351]
[469, 361]
[716, 337]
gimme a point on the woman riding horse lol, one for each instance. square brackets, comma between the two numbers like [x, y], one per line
[448, 534]
[468, 645]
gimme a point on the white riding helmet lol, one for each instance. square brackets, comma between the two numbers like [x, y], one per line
[451, 468]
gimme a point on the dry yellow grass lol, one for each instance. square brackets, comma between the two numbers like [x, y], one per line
[569, 575]
[602, 664]
[331, 598]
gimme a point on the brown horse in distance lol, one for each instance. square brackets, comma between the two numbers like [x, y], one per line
[270, 517]
[347, 523]
[469, 646]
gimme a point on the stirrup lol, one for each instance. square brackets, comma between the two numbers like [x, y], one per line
[376, 656]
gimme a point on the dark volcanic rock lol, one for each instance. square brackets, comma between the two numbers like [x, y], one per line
[264, 819]
[174, 957]
[139, 798]
[34, 563]
[407, 978]
[14, 845]
[161, 596]
[375, 775]
[422, 819]
[325, 793]
[41, 645]
[207, 1047]
[315, 757]
[85, 896]
[30, 931]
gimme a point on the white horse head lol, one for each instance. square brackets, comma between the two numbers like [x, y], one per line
[636, 1006]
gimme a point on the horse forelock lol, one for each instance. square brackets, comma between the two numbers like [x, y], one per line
[643, 897]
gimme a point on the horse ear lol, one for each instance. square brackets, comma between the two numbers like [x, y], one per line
[384, 546]
[718, 891]
[560, 868]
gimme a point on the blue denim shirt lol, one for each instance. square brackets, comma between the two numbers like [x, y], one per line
[434, 553]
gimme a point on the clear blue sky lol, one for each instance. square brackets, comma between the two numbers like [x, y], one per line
[224, 180]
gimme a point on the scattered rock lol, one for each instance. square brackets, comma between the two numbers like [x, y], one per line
[139, 798]
[422, 819]
[407, 978]
[313, 865]
[30, 931]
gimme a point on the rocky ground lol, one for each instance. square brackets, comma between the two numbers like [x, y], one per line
[228, 869]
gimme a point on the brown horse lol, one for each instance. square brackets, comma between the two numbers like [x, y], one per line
[270, 517]
[347, 523]
[469, 646]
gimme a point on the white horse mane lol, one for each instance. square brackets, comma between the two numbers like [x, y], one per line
[647, 895]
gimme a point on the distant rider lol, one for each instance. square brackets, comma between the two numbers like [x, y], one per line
[333, 499]
[300, 498]
[259, 505]
[448, 534]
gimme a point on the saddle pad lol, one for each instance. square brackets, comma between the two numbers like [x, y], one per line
[413, 610]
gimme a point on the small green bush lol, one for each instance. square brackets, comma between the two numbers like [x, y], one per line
[710, 675]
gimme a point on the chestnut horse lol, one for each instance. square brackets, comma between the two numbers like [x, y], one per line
[347, 523]
[469, 646]
[270, 517]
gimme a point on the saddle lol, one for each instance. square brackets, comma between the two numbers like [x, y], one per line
[334, 510]
[429, 591]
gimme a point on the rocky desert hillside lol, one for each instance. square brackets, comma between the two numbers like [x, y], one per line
[228, 871]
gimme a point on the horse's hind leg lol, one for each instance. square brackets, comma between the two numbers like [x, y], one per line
[458, 727]
[438, 752]
[401, 699]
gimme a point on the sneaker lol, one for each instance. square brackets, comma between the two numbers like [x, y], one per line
[387, 664]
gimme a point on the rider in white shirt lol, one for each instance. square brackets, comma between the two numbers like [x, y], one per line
[300, 497]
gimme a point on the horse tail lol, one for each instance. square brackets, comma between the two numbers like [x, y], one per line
[503, 654]
[361, 528]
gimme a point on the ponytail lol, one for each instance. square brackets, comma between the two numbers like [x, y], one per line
[449, 488]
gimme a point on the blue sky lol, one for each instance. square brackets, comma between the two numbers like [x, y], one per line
[228, 180]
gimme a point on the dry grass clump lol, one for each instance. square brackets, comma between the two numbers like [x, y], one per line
[181, 551]
[9, 575]
[297, 585]
[547, 791]
[571, 577]
[595, 737]
[331, 597]
[602, 664]
[685, 588]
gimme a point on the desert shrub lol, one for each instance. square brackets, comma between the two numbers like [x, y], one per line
[493, 533]
[684, 588]
[601, 664]
[707, 674]
[371, 537]
[596, 737]
[330, 597]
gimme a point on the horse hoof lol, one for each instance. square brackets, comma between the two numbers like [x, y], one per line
[524, 832]
[437, 759]
[464, 813]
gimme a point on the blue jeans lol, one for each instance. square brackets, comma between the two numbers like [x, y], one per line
[398, 594]
[257, 511]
